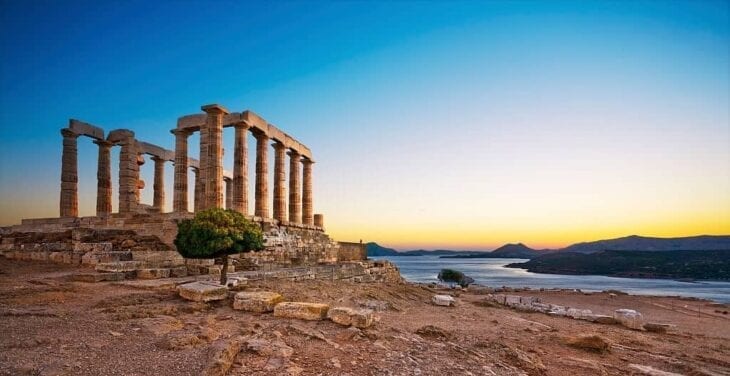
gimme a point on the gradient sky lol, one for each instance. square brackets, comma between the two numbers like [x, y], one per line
[434, 124]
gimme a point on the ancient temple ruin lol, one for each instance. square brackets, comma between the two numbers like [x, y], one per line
[111, 241]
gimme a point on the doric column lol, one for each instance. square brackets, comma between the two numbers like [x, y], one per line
[104, 179]
[240, 170]
[319, 220]
[279, 181]
[140, 182]
[158, 199]
[197, 193]
[69, 203]
[262, 175]
[128, 172]
[307, 209]
[295, 193]
[212, 169]
[229, 192]
[180, 195]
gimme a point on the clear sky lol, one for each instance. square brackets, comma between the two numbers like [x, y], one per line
[434, 124]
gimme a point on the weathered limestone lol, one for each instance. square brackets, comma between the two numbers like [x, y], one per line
[198, 192]
[307, 209]
[104, 179]
[359, 318]
[229, 192]
[158, 200]
[212, 168]
[262, 175]
[180, 195]
[69, 203]
[202, 292]
[279, 178]
[629, 318]
[443, 300]
[257, 301]
[295, 197]
[128, 170]
[302, 311]
[239, 202]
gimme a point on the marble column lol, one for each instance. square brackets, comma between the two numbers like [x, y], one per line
[262, 176]
[197, 188]
[240, 170]
[140, 182]
[319, 220]
[212, 168]
[279, 182]
[307, 209]
[128, 172]
[158, 198]
[229, 192]
[104, 179]
[69, 203]
[180, 194]
[295, 198]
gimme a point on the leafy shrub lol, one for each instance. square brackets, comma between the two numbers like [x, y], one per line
[455, 276]
[216, 233]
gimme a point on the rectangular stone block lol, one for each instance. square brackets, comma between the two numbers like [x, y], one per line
[301, 310]
[202, 291]
[359, 318]
[259, 302]
[153, 273]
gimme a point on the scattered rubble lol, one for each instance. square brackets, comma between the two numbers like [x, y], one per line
[301, 310]
[202, 291]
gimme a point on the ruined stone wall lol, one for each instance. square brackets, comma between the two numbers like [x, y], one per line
[352, 252]
[287, 245]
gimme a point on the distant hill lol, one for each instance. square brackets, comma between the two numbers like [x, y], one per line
[376, 250]
[518, 250]
[707, 264]
[641, 243]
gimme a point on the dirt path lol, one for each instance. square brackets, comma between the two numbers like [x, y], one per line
[49, 326]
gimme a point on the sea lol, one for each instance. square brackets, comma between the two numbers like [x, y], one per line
[493, 273]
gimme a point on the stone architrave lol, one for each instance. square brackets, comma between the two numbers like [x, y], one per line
[212, 167]
[69, 203]
[279, 181]
[158, 198]
[295, 198]
[104, 179]
[307, 208]
[262, 175]
[240, 169]
[180, 194]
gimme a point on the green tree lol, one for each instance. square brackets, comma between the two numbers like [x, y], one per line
[217, 233]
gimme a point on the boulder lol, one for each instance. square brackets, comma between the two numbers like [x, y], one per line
[629, 318]
[260, 301]
[301, 310]
[656, 327]
[602, 319]
[443, 300]
[359, 318]
[202, 291]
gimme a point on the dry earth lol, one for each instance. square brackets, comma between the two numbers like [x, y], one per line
[50, 326]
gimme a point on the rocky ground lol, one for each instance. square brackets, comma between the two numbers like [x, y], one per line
[51, 326]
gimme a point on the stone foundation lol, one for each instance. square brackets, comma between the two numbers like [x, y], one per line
[141, 245]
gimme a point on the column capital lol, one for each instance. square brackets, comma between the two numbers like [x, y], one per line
[214, 109]
[307, 162]
[278, 145]
[227, 179]
[293, 153]
[242, 125]
[158, 158]
[103, 143]
[260, 136]
[181, 132]
[67, 133]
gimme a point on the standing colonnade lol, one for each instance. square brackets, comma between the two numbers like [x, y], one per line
[210, 178]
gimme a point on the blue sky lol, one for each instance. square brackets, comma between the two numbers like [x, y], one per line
[434, 124]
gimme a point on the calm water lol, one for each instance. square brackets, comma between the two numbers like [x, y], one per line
[491, 272]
